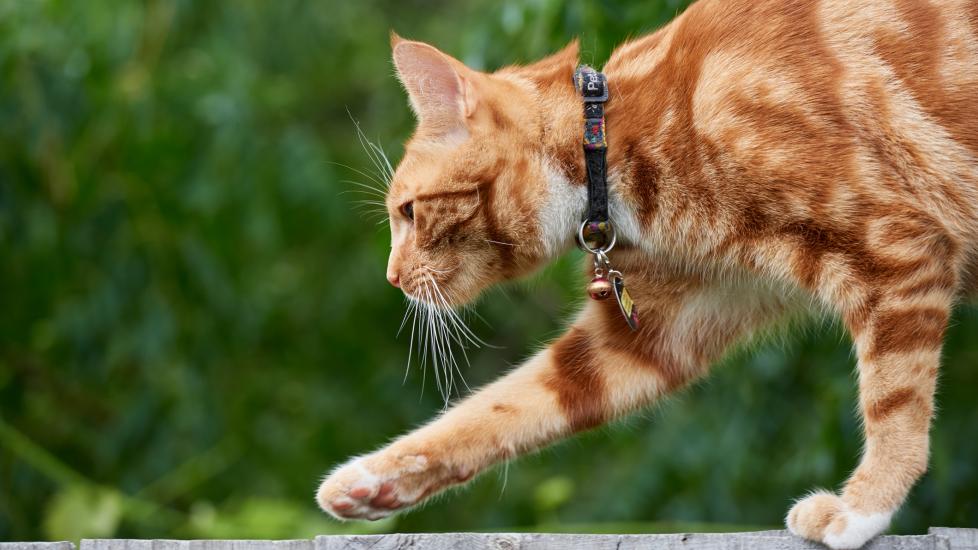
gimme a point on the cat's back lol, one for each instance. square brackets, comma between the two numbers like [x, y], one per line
[855, 97]
[929, 47]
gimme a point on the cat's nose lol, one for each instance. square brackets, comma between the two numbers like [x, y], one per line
[394, 279]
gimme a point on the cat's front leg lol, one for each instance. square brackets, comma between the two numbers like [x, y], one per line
[571, 386]
[596, 371]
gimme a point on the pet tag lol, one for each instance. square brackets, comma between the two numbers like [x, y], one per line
[625, 303]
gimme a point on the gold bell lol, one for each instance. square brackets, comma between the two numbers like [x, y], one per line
[599, 288]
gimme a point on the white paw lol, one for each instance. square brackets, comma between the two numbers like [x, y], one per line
[826, 518]
[372, 488]
[859, 529]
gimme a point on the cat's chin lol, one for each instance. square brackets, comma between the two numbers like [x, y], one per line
[442, 301]
[445, 295]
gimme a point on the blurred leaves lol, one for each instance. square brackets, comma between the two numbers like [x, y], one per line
[552, 493]
[81, 511]
[196, 324]
[258, 518]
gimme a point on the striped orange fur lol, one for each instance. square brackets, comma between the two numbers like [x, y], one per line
[765, 157]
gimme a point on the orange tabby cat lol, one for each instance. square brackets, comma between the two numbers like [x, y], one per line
[765, 157]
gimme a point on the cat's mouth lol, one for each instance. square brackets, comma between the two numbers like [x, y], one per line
[430, 285]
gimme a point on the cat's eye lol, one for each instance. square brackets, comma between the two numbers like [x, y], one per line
[408, 210]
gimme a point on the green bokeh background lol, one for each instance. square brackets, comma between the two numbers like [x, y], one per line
[195, 323]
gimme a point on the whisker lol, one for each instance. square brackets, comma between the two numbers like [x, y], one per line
[438, 271]
[371, 203]
[464, 330]
[463, 327]
[505, 479]
[447, 308]
[443, 340]
[383, 156]
[412, 310]
[359, 192]
[370, 210]
[424, 370]
[374, 152]
[457, 319]
[379, 179]
[385, 167]
[433, 341]
[365, 189]
[455, 328]
[447, 311]
[423, 335]
[372, 177]
[471, 311]
[368, 147]
[411, 306]
[439, 328]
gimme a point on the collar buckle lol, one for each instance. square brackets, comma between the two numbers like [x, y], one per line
[592, 85]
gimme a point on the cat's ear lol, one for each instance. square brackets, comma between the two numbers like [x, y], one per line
[441, 89]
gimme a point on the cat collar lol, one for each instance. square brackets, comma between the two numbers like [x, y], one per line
[596, 235]
[596, 231]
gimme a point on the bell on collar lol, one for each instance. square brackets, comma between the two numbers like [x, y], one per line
[599, 288]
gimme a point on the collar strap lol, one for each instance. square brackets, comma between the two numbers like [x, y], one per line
[596, 232]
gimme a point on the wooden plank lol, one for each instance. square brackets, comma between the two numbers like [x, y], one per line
[162, 544]
[939, 538]
[774, 540]
[36, 546]
[959, 539]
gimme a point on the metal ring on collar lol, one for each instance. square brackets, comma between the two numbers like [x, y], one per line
[581, 243]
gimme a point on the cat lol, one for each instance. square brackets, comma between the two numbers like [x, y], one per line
[765, 158]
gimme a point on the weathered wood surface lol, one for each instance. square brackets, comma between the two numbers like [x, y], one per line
[36, 546]
[134, 544]
[960, 539]
[938, 538]
[767, 540]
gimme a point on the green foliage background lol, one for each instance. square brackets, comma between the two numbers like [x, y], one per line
[195, 323]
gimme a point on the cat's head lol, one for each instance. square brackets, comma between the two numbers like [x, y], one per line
[471, 202]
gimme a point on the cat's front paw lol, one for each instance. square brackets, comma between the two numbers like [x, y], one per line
[363, 489]
[826, 518]
[378, 485]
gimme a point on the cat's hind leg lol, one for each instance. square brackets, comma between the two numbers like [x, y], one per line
[897, 318]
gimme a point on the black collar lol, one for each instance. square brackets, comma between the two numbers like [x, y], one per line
[596, 234]
[596, 231]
